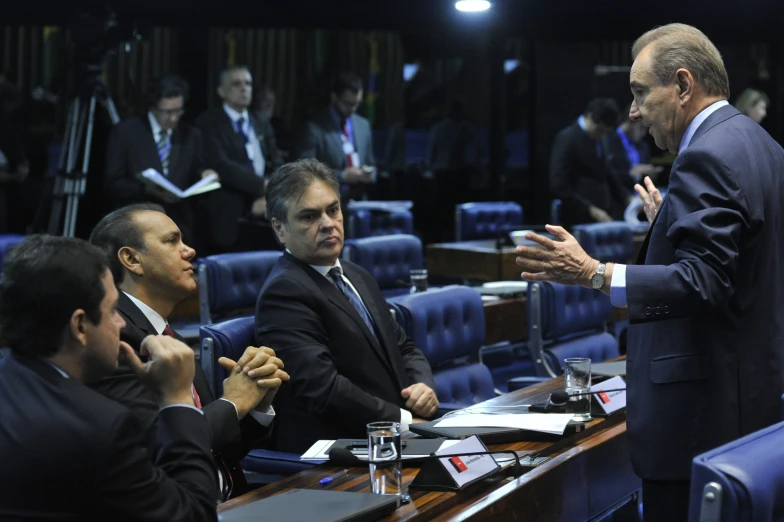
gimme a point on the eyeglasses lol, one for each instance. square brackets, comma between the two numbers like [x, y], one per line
[170, 112]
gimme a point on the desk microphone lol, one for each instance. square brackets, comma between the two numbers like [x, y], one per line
[343, 457]
[561, 397]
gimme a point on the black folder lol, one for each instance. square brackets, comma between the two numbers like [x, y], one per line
[316, 505]
[492, 435]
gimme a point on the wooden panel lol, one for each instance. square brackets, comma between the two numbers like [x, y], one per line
[506, 320]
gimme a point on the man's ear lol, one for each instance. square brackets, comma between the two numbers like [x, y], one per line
[131, 260]
[685, 82]
[280, 230]
[221, 92]
[76, 327]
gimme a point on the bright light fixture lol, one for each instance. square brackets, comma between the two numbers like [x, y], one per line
[472, 6]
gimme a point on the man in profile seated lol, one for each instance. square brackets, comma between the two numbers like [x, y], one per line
[152, 268]
[351, 363]
[68, 452]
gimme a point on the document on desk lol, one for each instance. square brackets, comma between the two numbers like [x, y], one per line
[320, 450]
[553, 423]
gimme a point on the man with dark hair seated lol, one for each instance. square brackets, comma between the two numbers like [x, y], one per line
[68, 452]
[151, 265]
[351, 362]
[579, 175]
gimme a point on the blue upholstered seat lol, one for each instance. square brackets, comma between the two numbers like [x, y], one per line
[365, 222]
[741, 481]
[230, 339]
[389, 259]
[448, 325]
[229, 284]
[486, 220]
[609, 242]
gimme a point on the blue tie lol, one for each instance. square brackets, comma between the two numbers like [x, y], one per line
[353, 298]
[245, 140]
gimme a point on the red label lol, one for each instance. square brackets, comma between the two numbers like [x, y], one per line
[603, 397]
[458, 464]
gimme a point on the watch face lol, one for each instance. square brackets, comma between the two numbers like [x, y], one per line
[597, 281]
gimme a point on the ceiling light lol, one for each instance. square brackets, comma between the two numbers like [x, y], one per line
[472, 6]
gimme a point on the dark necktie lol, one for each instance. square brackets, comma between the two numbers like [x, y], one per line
[353, 298]
[244, 139]
[164, 150]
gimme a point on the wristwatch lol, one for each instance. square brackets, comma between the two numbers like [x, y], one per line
[597, 281]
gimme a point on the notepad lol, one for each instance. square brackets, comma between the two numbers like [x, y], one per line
[206, 184]
[552, 423]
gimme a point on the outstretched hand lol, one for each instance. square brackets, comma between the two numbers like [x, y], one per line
[563, 261]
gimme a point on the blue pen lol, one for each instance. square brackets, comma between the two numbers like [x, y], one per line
[327, 480]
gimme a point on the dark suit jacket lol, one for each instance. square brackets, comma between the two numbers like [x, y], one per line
[132, 148]
[617, 159]
[706, 352]
[580, 178]
[71, 454]
[225, 152]
[341, 377]
[231, 438]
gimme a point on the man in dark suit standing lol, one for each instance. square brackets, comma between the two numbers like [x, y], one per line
[152, 268]
[579, 176]
[159, 141]
[68, 452]
[242, 148]
[705, 360]
[341, 139]
[350, 361]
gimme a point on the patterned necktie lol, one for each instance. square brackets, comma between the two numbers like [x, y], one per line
[196, 400]
[164, 149]
[353, 298]
[349, 150]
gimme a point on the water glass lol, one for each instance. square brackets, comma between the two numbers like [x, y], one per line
[578, 380]
[384, 445]
[418, 280]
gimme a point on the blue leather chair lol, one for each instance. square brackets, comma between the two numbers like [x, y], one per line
[609, 242]
[229, 339]
[229, 284]
[389, 259]
[364, 222]
[741, 481]
[448, 325]
[509, 362]
[6, 242]
[486, 220]
[567, 321]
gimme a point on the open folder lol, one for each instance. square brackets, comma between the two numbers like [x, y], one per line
[200, 187]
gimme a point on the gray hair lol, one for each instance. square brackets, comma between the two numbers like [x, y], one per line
[290, 181]
[224, 75]
[681, 45]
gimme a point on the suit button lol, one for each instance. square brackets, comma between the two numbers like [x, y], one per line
[647, 310]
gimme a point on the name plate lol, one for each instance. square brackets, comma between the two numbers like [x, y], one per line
[456, 472]
[610, 402]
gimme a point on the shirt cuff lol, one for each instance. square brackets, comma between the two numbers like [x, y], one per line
[405, 419]
[618, 286]
[264, 418]
[182, 406]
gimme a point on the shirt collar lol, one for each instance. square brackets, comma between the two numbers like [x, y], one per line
[157, 322]
[324, 270]
[156, 127]
[581, 123]
[234, 115]
[697, 121]
[59, 370]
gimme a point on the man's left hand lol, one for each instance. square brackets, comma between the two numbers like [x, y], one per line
[420, 399]
[562, 261]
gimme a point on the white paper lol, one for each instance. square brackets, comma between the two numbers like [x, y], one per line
[612, 401]
[204, 185]
[320, 451]
[466, 469]
[554, 423]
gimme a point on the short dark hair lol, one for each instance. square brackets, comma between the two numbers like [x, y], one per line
[290, 181]
[604, 111]
[45, 280]
[168, 86]
[346, 82]
[118, 229]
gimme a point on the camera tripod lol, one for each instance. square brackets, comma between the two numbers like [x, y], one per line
[71, 182]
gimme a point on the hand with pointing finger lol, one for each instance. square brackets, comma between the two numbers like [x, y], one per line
[651, 198]
[563, 261]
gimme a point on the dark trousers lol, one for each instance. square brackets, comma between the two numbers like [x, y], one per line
[665, 501]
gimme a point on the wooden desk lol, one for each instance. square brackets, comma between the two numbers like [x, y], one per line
[588, 473]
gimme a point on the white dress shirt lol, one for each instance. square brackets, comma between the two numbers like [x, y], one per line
[156, 134]
[405, 415]
[253, 147]
[618, 283]
[264, 418]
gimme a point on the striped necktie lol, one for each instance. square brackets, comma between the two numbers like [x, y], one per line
[336, 275]
[164, 149]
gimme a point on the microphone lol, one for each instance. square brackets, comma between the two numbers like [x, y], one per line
[343, 457]
[560, 397]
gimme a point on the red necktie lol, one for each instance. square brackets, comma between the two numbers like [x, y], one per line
[168, 331]
[349, 158]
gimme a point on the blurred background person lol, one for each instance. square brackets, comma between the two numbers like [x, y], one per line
[753, 103]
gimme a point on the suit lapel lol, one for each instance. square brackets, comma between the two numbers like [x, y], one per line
[370, 304]
[332, 132]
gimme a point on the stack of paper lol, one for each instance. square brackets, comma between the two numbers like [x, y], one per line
[200, 187]
[553, 423]
[320, 451]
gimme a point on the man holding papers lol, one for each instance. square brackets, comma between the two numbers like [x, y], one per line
[160, 142]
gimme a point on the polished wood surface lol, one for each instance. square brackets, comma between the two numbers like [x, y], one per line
[506, 320]
[588, 473]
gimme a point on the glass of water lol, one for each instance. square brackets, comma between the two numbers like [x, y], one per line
[578, 380]
[418, 280]
[384, 445]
